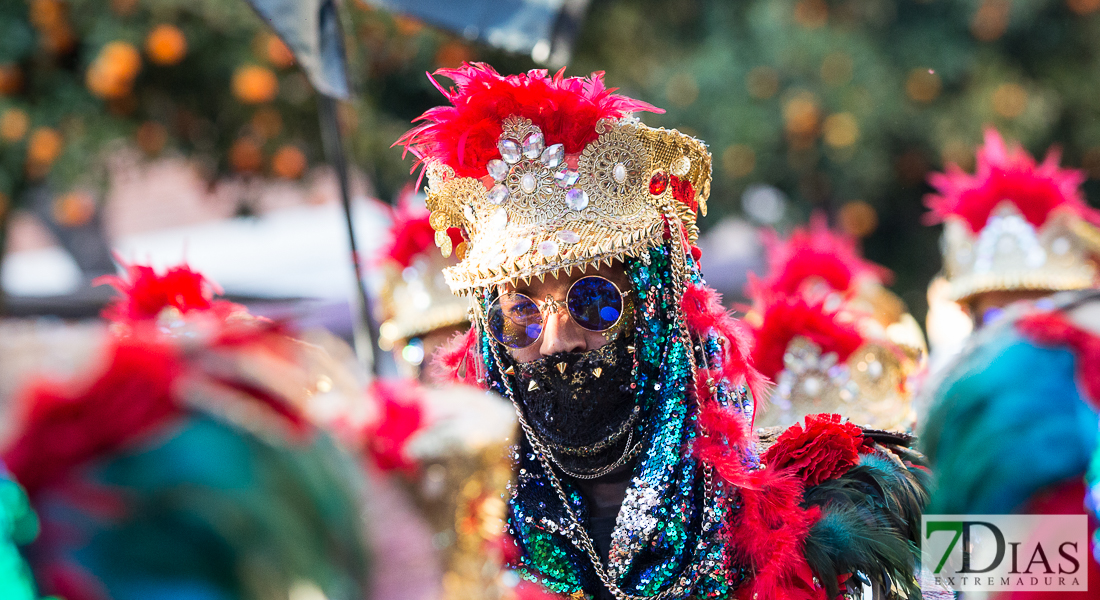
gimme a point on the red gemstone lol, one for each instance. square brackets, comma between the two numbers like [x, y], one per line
[658, 183]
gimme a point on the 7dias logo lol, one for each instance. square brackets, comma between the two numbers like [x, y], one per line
[991, 553]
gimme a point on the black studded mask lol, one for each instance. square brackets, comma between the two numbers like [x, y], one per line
[580, 403]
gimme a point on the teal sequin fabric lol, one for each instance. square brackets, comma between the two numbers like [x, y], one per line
[667, 536]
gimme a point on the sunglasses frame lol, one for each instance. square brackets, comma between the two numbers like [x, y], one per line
[557, 305]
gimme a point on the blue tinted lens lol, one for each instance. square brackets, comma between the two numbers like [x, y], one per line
[595, 303]
[514, 320]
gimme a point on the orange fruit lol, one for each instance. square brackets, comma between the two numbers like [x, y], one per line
[112, 73]
[246, 156]
[45, 146]
[278, 52]
[14, 124]
[289, 162]
[151, 137]
[11, 79]
[73, 209]
[253, 84]
[166, 45]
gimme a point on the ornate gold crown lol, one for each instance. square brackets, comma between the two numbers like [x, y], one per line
[538, 211]
[417, 301]
[1009, 253]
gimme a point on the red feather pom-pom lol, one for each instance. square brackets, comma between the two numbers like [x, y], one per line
[457, 361]
[410, 232]
[1007, 173]
[400, 417]
[464, 135]
[825, 449]
[144, 293]
[785, 318]
[809, 253]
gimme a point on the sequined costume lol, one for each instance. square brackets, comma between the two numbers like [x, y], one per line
[539, 175]
[182, 465]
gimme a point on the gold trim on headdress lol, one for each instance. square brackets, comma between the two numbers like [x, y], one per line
[538, 212]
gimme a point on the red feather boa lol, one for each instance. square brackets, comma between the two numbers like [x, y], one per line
[464, 135]
[1007, 173]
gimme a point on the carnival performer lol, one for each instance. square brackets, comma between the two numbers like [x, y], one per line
[1014, 230]
[637, 473]
[182, 466]
[831, 335]
[991, 450]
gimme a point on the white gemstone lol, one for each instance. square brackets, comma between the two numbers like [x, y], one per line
[619, 172]
[812, 386]
[553, 155]
[548, 248]
[498, 194]
[528, 182]
[874, 369]
[1060, 246]
[469, 212]
[568, 236]
[509, 151]
[567, 179]
[498, 258]
[499, 219]
[680, 166]
[576, 199]
[498, 169]
[533, 145]
[519, 247]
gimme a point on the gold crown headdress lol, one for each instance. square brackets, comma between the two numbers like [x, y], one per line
[540, 174]
[1014, 224]
[831, 336]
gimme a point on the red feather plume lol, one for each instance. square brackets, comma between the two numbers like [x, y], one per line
[457, 361]
[143, 294]
[787, 317]
[410, 233]
[464, 135]
[1007, 173]
[814, 251]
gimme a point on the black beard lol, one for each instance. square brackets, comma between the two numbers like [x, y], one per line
[581, 406]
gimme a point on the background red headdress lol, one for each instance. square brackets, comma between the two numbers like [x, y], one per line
[1007, 173]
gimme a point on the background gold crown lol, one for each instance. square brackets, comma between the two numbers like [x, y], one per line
[538, 211]
[1009, 253]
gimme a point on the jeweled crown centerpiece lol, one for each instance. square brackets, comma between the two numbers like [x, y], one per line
[1014, 224]
[537, 174]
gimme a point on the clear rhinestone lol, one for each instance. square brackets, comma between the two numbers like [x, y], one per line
[568, 236]
[509, 151]
[528, 182]
[553, 155]
[498, 194]
[548, 248]
[498, 258]
[812, 386]
[619, 172]
[519, 247]
[499, 219]
[533, 145]
[468, 211]
[576, 199]
[567, 178]
[1060, 246]
[874, 370]
[498, 169]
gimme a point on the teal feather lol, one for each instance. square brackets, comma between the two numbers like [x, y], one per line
[1007, 421]
[870, 522]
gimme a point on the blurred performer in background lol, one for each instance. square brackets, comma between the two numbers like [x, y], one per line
[439, 450]
[1014, 230]
[991, 450]
[421, 312]
[831, 335]
[182, 466]
[638, 475]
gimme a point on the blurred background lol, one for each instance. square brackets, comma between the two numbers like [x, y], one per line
[162, 130]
